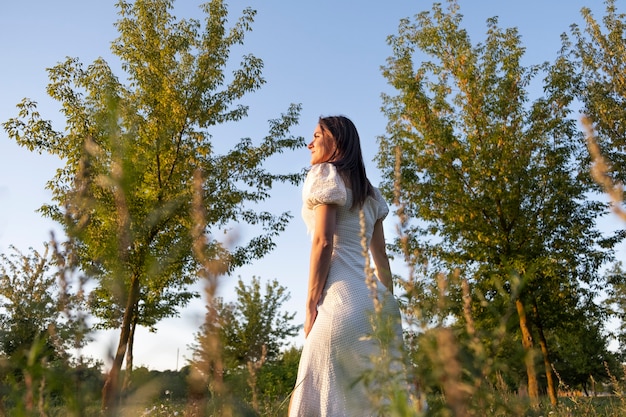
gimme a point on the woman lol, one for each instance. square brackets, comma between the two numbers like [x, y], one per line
[340, 208]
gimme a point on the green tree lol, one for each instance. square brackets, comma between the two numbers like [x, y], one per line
[254, 325]
[253, 330]
[599, 53]
[573, 344]
[38, 327]
[492, 180]
[599, 82]
[132, 146]
[277, 378]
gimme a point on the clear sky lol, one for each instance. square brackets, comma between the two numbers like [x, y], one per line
[324, 54]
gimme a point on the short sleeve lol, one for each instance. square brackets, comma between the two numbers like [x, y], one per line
[381, 205]
[323, 185]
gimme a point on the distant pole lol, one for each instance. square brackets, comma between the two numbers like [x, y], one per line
[177, 349]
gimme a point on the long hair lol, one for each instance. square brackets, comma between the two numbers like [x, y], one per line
[347, 157]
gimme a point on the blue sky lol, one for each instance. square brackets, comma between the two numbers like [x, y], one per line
[323, 54]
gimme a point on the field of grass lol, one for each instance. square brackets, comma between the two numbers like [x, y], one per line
[507, 405]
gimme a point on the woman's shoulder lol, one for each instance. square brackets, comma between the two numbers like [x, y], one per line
[379, 202]
[324, 185]
[324, 173]
[325, 169]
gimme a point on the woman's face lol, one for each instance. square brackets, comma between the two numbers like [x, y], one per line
[322, 146]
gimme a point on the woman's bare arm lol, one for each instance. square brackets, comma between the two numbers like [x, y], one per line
[379, 255]
[321, 251]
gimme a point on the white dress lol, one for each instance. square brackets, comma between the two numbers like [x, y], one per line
[338, 351]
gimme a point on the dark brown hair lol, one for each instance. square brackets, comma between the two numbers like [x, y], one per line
[347, 157]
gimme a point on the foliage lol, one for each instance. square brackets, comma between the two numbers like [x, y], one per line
[131, 150]
[254, 327]
[599, 54]
[40, 323]
[28, 302]
[277, 378]
[492, 183]
[150, 386]
[253, 331]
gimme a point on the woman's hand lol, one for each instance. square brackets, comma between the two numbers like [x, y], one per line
[311, 315]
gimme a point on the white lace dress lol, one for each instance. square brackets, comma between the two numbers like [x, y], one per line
[338, 352]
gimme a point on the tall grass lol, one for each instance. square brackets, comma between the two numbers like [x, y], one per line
[453, 375]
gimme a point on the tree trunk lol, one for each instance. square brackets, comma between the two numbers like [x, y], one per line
[111, 389]
[527, 343]
[546, 360]
[129, 354]
[28, 395]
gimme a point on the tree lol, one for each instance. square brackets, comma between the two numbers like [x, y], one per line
[38, 326]
[276, 379]
[254, 327]
[600, 80]
[494, 181]
[253, 330]
[599, 54]
[132, 148]
[573, 344]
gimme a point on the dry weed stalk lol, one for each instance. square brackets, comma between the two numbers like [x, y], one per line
[562, 385]
[209, 372]
[615, 384]
[457, 392]
[600, 170]
[475, 344]
[409, 257]
[253, 371]
[380, 364]
[41, 403]
[386, 381]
